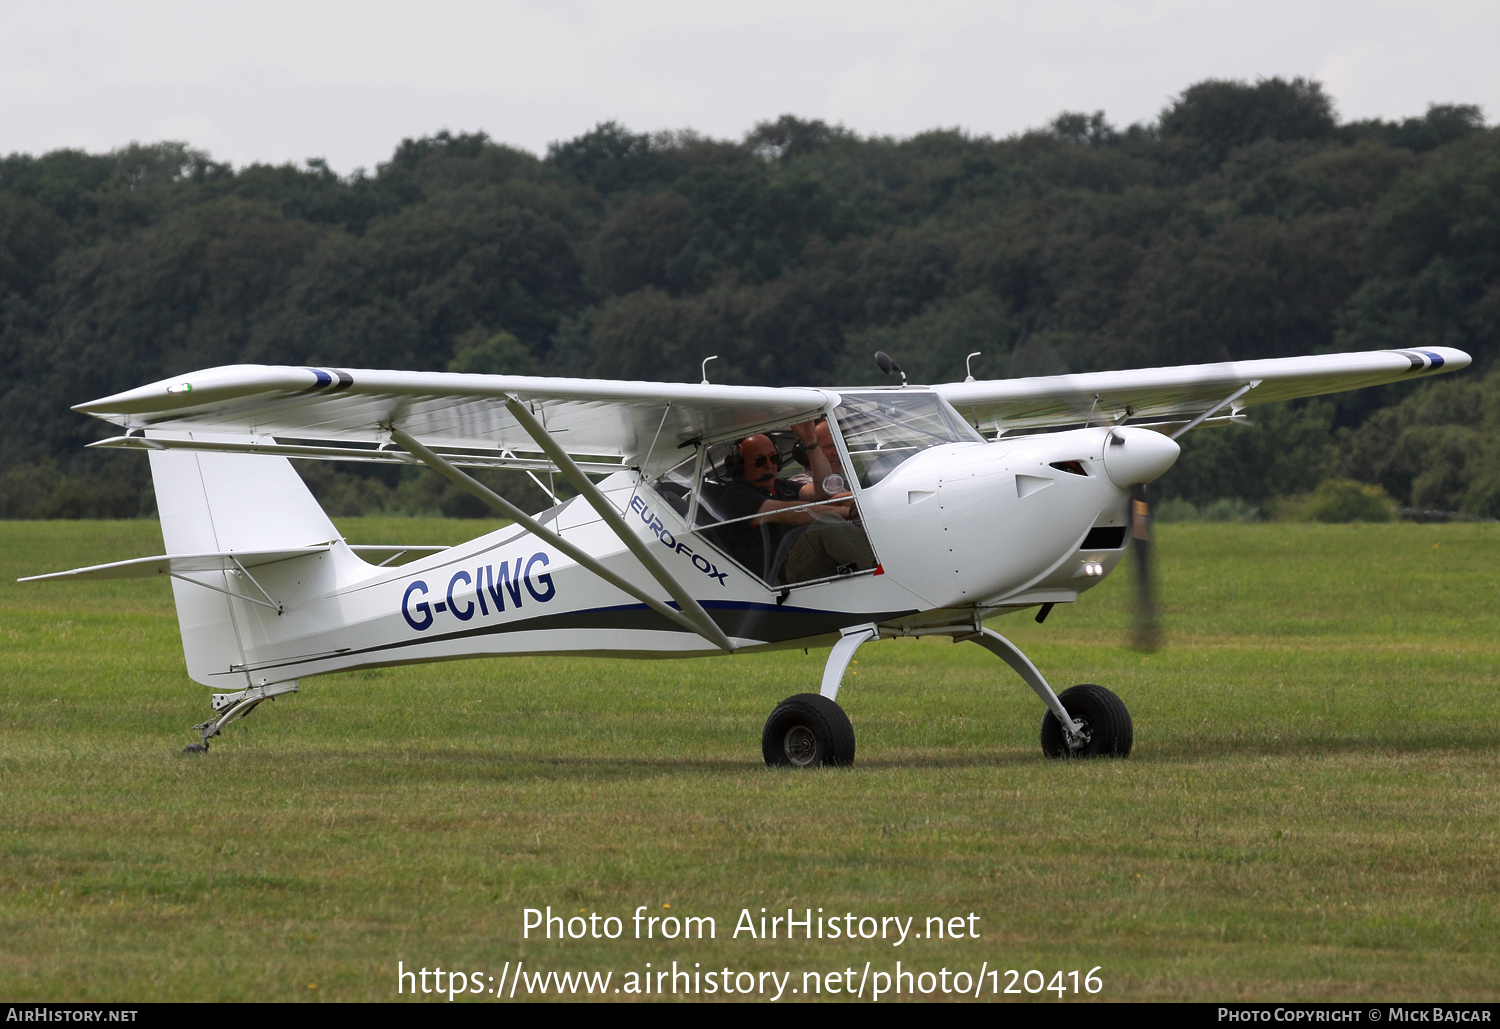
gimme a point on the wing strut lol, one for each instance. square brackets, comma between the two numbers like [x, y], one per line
[705, 626]
[511, 511]
[1190, 426]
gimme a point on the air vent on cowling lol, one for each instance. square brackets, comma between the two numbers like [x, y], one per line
[1105, 537]
[1071, 467]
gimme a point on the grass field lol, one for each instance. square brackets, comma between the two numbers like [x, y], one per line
[1312, 809]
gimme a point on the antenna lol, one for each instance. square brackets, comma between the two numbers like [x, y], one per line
[968, 361]
[705, 369]
[887, 365]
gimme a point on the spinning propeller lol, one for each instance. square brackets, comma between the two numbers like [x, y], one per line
[1145, 625]
[1134, 456]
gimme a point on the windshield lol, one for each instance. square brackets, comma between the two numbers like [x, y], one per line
[882, 430]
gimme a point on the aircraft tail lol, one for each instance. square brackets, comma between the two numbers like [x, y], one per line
[220, 503]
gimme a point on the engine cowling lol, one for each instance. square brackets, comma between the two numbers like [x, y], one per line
[970, 523]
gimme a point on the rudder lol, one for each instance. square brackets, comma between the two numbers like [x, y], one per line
[216, 503]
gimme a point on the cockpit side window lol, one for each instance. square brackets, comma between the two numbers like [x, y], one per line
[808, 532]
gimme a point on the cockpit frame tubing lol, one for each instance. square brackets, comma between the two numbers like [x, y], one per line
[698, 457]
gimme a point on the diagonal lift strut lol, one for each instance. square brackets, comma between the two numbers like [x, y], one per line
[691, 616]
[689, 605]
[1190, 426]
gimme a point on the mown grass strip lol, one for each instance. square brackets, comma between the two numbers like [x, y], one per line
[1312, 810]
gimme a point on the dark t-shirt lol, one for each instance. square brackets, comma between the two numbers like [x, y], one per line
[744, 540]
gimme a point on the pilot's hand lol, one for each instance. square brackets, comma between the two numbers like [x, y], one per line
[844, 505]
[807, 433]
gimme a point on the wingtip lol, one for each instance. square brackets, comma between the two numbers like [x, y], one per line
[205, 386]
[1443, 359]
[1457, 358]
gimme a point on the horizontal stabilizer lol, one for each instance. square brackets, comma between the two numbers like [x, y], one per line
[170, 564]
[175, 564]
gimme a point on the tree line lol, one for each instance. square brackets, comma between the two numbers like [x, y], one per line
[1247, 221]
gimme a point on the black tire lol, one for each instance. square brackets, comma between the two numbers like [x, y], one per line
[806, 731]
[1104, 716]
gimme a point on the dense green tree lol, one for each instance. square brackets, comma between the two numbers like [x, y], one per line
[1442, 124]
[639, 245]
[1210, 119]
[1433, 245]
[1436, 450]
[1286, 449]
[610, 158]
[1245, 222]
[479, 353]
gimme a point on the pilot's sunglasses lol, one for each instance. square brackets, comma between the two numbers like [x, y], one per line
[762, 460]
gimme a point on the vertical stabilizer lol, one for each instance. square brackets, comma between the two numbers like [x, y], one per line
[217, 503]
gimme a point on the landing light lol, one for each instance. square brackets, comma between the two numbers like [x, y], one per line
[1093, 568]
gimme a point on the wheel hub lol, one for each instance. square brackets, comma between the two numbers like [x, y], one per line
[1080, 739]
[800, 746]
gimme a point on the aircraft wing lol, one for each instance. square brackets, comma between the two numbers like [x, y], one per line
[345, 414]
[1185, 391]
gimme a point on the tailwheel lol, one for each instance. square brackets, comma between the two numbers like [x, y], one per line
[807, 730]
[1105, 723]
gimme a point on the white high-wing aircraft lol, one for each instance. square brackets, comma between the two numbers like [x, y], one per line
[663, 556]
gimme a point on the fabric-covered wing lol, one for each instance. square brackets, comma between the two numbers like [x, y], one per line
[342, 413]
[1186, 390]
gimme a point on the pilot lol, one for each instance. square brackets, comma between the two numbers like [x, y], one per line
[828, 545]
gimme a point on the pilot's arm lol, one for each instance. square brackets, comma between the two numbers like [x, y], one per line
[774, 511]
[817, 463]
[838, 507]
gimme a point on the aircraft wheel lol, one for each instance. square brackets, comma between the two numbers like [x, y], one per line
[807, 730]
[195, 748]
[1105, 720]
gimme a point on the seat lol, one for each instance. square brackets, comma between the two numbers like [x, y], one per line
[675, 494]
[709, 497]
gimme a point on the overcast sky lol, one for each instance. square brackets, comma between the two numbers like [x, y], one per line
[276, 81]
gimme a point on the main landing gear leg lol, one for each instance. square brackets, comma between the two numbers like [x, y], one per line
[1086, 721]
[231, 707]
[810, 728]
